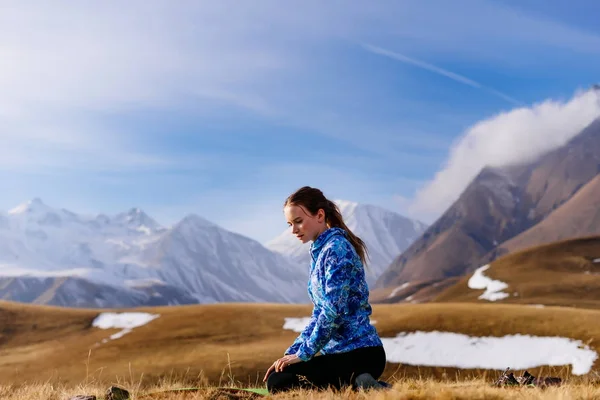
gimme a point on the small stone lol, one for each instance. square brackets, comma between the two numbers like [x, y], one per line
[117, 393]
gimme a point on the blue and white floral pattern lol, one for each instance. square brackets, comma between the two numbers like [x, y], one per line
[337, 287]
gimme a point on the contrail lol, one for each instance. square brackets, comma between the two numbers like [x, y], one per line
[439, 71]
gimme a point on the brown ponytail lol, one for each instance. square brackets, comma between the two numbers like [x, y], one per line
[312, 200]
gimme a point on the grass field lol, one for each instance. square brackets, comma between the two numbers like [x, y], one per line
[233, 344]
[408, 389]
[53, 353]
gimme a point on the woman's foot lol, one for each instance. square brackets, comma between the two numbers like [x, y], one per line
[366, 381]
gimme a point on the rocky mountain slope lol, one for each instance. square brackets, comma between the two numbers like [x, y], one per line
[509, 208]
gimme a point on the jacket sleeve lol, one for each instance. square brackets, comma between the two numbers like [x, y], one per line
[304, 335]
[338, 273]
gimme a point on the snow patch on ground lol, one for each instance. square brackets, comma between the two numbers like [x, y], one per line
[493, 288]
[447, 349]
[298, 324]
[399, 288]
[456, 350]
[125, 321]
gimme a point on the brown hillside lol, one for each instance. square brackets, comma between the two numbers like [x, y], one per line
[481, 214]
[224, 341]
[579, 216]
[561, 173]
[413, 292]
[498, 205]
[565, 273]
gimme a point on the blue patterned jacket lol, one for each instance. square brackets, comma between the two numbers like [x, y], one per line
[338, 289]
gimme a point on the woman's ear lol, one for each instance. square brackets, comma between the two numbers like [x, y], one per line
[321, 215]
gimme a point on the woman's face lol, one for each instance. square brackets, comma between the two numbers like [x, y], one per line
[303, 225]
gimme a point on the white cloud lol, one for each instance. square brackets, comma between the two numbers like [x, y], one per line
[111, 55]
[61, 65]
[520, 135]
[64, 68]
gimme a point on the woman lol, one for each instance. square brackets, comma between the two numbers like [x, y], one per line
[351, 350]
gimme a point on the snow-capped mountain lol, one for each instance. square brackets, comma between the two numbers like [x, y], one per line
[233, 267]
[386, 234]
[54, 256]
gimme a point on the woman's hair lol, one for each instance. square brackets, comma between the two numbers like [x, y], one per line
[312, 199]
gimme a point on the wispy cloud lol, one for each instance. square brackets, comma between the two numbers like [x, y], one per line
[86, 63]
[438, 70]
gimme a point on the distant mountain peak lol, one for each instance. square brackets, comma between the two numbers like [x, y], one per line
[35, 204]
[345, 203]
[346, 207]
[137, 215]
[194, 220]
[136, 218]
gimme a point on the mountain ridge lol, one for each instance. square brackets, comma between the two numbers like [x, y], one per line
[498, 205]
[129, 254]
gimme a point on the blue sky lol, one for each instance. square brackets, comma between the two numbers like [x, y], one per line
[223, 108]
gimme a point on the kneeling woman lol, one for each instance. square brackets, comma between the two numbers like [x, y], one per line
[352, 353]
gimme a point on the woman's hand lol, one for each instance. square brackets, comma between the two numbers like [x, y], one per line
[280, 364]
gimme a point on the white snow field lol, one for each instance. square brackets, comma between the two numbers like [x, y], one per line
[448, 349]
[456, 350]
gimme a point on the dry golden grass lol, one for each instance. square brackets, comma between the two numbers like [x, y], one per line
[49, 349]
[561, 273]
[409, 389]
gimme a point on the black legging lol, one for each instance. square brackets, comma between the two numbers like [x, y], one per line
[331, 370]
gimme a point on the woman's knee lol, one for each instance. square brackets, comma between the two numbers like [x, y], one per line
[281, 381]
